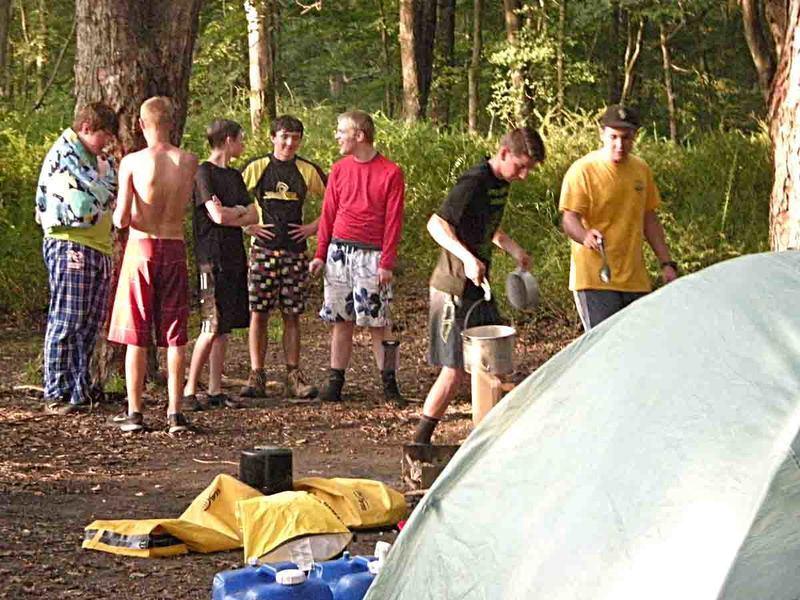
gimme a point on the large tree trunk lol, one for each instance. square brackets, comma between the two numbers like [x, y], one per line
[408, 60]
[424, 43]
[784, 120]
[760, 50]
[129, 50]
[5, 21]
[445, 44]
[261, 22]
[474, 73]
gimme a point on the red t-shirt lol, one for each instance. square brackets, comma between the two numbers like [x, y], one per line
[363, 203]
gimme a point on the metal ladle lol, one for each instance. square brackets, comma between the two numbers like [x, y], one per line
[605, 270]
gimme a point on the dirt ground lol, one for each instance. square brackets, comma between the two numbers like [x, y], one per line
[57, 474]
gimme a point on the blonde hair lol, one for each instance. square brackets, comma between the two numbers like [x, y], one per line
[158, 111]
[360, 121]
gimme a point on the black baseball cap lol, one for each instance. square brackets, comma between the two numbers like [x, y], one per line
[620, 117]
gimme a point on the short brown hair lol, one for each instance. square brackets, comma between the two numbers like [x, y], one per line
[99, 117]
[158, 111]
[524, 140]
[361, 121]
[220, 130]
[286, 123]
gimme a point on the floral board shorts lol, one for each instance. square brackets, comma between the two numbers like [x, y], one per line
[277, 278]
[352, 292]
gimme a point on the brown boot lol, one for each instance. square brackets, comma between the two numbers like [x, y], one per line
[297, 386]
[256, 385]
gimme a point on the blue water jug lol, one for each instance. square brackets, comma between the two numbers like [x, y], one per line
[353, 586]
[348, 577]
[281, 581]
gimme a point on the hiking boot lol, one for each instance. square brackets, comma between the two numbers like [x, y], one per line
[190, 403]
[332, 391]
[256, 385]
[57, 407]
[222, 400]
[391, 393]
[129, 423]
[297, 386]
[178, 423]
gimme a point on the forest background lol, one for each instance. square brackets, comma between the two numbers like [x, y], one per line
[479, 66]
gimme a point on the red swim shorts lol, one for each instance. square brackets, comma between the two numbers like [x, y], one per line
[153, 292]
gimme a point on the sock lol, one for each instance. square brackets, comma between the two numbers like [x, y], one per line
[425, 429]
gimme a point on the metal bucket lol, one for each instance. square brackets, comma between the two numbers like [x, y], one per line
[489, 348]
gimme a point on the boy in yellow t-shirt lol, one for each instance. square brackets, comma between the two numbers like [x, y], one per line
[609, 201]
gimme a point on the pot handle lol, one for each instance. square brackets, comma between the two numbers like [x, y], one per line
[487, 296]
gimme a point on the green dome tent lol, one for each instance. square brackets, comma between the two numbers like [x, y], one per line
[656, 457]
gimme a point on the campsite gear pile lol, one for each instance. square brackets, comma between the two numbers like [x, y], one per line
[654, 457]
[307, 525]
[346, 578]
[488, 352]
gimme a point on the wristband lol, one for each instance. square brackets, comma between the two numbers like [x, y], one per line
[670, 263]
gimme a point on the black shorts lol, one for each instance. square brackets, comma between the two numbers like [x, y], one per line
[223, 299]
[595, 306]
[446, 322]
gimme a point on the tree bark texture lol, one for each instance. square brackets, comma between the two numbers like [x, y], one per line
[130, 50]
[445, 45]
[760, 50]
[474, 73]
[260, 37]
[424, 44]
[408, 61]
[5, 21]
[784, 120]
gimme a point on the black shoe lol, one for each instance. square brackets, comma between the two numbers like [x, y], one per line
[391, 392]
[332, 391]
[190, 403]
[178, 423]
[220, 400]
[129, 423]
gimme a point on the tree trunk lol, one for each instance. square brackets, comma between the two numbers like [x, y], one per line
[614, 79]
[666, 63]
[388, 65]
[784, 121]
[633, 49]
[445, 44]
[523, 107]
[408, 60]
[561, 41]
[424, 43]
[474, 73]
[129, 50]
[760, 51]
[260, 38]
[5, 21]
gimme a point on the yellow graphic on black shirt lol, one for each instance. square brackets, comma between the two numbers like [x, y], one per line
[282, 192]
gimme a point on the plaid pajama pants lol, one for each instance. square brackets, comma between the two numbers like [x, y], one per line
[79, 277]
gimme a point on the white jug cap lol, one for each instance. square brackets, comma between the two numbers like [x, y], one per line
[375, 566]
[290, 577]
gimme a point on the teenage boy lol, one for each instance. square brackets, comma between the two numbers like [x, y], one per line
[222, 207]
[281, 182]
[359, 230]
[77, 186]
[466, 226]
[155, 186]
[609, 197]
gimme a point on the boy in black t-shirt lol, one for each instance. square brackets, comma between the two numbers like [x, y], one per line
[466, 226]
[222, 207]
[280, 181]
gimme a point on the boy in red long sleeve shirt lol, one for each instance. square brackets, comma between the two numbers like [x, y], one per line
[359, 230]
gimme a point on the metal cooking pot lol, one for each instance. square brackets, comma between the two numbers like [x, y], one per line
[522, 290]
[488, 348]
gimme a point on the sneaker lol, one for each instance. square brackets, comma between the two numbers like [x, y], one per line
[391, 392]
[223, 400]
[298, 387]
[190, 403]
[130, 422]
[178, 422]
[57, 407]
[332, 391]
[256, 385]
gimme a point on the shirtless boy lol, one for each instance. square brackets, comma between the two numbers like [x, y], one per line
[155, 186]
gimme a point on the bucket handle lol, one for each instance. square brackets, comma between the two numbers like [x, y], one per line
[487, 296]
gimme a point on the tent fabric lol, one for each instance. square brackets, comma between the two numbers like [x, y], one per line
[652, 458]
